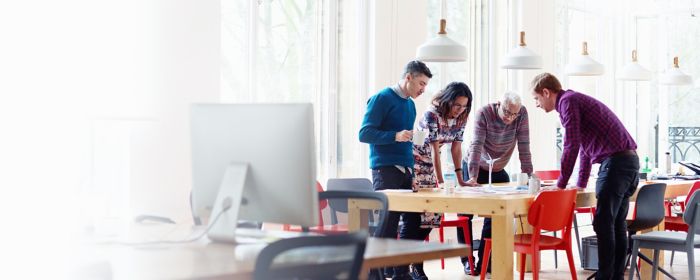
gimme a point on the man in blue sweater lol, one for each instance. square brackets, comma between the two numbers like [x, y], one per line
[388, 128]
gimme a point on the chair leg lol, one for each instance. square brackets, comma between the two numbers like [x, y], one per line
[572, 266]
[442, 240]
[578, 239]
[556, 264]
[633, 260]
[487, 257]
[672, 253]
[523, 260]
[691, 261]
[467, 238]
[655, 266]
[536, 265]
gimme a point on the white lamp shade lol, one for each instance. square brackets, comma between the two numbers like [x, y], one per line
[522, 58]
[634, 72]
[441, 49]
[584, 65]
[676, 77]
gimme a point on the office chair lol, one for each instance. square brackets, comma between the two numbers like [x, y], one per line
[676, 223]
[345, 184]
[312, 257]
[551, 211]
[677, 241]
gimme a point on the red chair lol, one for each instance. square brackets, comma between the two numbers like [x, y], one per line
[676, 223]
[462, 222]
[551, 211]
[554, 175]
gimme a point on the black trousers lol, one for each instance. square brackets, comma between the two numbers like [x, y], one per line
[483, 178]
[617, 180]
[390, 177]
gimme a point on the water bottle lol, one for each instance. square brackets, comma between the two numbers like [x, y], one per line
[668, 163]
[450, 181]
[534, 184]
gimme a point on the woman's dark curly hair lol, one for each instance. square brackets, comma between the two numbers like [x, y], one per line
[444, 100]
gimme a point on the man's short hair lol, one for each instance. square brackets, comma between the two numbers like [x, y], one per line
[511, 98]
[417, 67]
[545, 80]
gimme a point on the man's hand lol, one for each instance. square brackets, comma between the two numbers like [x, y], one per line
[414, 186]
[404, 136]
[472, 183]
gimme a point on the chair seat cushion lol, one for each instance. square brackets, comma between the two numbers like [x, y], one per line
[673, 237]
[545, 240]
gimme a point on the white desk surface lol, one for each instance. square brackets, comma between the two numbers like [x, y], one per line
[208, 260]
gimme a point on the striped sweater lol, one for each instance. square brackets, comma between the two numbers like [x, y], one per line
[493, 136]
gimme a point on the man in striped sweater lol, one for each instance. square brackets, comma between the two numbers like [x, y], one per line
[497, 128]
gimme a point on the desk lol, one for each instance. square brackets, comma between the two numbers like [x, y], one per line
[208, 260]
[501, 208]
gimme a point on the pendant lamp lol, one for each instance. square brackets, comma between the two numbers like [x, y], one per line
[521, 57]
[584, 65]
[675, 76]
[633, 71]
[441, 48]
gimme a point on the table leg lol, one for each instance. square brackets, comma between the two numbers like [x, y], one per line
[502, 246]
[357, 218]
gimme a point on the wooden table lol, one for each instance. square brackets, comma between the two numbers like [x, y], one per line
[208, 260]
[502, 208]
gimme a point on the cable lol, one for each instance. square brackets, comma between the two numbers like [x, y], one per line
[225, 204]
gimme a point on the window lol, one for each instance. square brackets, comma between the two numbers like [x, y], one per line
[656, 115]
[272, 52]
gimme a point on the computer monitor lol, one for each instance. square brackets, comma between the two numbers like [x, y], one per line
[268, 150]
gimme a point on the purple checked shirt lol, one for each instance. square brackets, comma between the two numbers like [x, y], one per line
[592, 131]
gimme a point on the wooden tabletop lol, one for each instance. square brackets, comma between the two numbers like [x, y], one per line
[210, 260]
[501, 207]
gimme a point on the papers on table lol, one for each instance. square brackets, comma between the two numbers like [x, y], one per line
[496, 190]
[396, 190]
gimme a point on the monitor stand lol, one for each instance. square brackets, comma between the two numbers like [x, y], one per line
[223, 228]
[229, 199]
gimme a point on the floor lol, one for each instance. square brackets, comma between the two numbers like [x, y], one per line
[454, 268]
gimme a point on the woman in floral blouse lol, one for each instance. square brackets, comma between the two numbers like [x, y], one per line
[444, 122]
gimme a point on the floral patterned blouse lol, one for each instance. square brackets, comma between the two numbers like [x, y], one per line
[442, 131]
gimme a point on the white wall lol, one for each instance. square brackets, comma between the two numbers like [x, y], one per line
[94, 100]
[538, 22]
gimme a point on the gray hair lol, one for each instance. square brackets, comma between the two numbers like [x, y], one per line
[511, 98]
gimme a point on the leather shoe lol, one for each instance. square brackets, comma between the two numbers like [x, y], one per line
[417, 273]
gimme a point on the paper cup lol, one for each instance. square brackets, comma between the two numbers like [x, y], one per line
[419, 137]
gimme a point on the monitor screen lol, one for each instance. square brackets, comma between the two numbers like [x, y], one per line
[276, 141]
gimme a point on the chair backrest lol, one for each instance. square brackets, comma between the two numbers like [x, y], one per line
[693, 189]
[345, 184]
[312, 257]
[548, 174]
[552, 210]
[376, 196]
[691, 216]
[323, 203]
[649, 210]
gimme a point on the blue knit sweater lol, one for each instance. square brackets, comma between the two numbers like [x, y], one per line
[388, 113]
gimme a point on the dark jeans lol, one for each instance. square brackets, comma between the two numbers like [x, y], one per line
[483, 178]
[390, 177]
[617, 180]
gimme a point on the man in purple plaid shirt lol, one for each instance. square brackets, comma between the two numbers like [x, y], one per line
[596, 135]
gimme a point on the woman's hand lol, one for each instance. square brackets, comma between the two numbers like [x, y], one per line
[472, 183]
